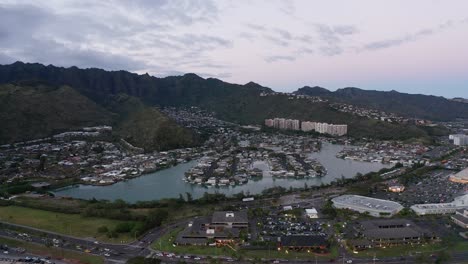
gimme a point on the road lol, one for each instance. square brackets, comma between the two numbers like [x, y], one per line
[112, 252]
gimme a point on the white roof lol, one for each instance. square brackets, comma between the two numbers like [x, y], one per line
[311, 211]
[462, 174]
[367, 203]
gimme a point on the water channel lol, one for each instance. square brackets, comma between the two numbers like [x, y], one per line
[168, 183]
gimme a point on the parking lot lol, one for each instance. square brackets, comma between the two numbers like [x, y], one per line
[434, 187]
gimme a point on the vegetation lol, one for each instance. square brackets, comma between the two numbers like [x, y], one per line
[29, 112]
[143, 260]
[150, 129]
[69, 224]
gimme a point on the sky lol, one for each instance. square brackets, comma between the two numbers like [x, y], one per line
[417, 46]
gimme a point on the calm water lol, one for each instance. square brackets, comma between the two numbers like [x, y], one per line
[168, 183]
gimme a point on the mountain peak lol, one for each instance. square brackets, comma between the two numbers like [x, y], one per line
[312, 91]
[192, 76]
[252, 84]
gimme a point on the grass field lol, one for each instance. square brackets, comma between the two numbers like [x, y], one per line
[68, 224]
[53, 252]
[398, 251]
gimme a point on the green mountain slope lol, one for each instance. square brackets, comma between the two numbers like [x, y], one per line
[37, 111]
[28, 112]
[408, 105]
[150, 129]
[238, 103]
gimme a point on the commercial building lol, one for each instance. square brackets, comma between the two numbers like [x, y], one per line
[389, 232]
[460, 177]
[230, 219]
[372, 206]
[461, 218]
[311, 213]
[303, 242]
[459, 203]
[222, 227]
[459, 139]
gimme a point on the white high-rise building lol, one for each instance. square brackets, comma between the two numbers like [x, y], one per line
[322, 128]
[294, 124]
[307, 126]
[269, 122]
[338, 130]
[459, 139]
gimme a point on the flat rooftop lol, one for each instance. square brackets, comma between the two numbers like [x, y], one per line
[230, 217]
[462, 175]
[367, 203]
[392, 228]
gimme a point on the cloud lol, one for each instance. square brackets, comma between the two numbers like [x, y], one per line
[247, 36]
[305, 38]
[331, 37]
[388, 43]
[383, 44]
[185, 12]
[331, 50]
[345, 30]
[287, 7]
[278, 58]
[411, 37]
[256, 27]
[136, 35]
[283, 34]
[304, 51]
[222, 75]
[276, 40]
[281, 37]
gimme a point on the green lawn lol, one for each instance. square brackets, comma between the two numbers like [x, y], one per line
[53, 252]
[68, 224]
[402, 250]
[275, 254]
[461, 246]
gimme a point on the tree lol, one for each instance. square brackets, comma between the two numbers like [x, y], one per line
[102, 229]
[155, 218]
[124, 227]
[181, 198]
[189, 197]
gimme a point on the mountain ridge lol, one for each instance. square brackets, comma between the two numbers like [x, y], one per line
[251, 103]
[430, 107]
